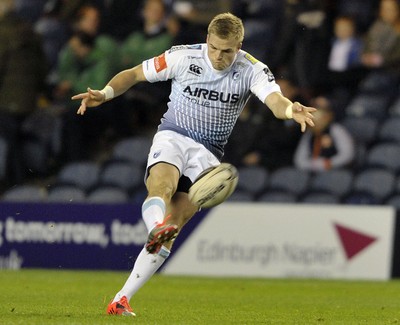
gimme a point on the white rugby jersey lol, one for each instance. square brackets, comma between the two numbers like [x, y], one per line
[205, 103]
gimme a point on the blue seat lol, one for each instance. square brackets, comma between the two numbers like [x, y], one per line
[363, 129]
[368, 105]
[380, 183]
[390, 130]
[252, 179]
[289, 179]
[134, 149]
[394, 201]
[241, 196]
[335, 181]
[122, 174]
[84, 174]
[384, 155]
[25, 193]
[320, 198]
[277, 197]
[394, 109]
[107, 194]
[66, 193]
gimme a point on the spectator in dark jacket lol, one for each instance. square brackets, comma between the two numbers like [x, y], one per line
[22, 73]
[328, 145]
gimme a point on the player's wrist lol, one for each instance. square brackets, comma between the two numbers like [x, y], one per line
[108, 92]
[289, 112]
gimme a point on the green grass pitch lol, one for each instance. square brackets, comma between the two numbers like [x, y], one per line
[80, 297]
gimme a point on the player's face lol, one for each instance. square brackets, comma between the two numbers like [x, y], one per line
[222, 52]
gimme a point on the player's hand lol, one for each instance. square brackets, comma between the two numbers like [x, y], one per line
[303, 115]
[91, 98]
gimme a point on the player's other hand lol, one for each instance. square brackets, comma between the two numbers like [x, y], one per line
[91, 98]
[303, 115]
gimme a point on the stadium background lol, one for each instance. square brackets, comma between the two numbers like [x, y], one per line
[46, 174]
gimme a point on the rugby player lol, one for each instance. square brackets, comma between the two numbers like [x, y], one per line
[211, 84]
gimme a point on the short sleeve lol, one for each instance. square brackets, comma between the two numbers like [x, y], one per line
[162, 67]
[263, 82]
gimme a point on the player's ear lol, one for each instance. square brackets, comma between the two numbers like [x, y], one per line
[207, 38]
[239, 46]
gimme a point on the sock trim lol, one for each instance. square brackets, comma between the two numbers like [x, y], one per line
[155, 200]
[164, 252]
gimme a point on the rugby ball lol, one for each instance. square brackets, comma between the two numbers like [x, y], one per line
[214, 186]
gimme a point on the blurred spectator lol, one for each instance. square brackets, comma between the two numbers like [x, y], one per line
[260, 19]
[29, 10]
[89, 58]
[344, 70]
[22, 74]
[345, 52]
[382, 42]
[151, 40]
[327, 145]
[259, 140]
[362, 11]
[194, 16]
[120, 17]
[243, 148]
[53, 31]
[82, 62]
[303, 42]
[148, 99]
[88, 20]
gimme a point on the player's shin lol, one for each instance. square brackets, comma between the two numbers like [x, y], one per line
[145, 266]
[153, 212]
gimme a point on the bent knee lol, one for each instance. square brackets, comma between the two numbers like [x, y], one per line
[162, 180]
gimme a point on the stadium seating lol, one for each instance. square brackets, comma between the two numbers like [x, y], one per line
[107, 194]
[241, 196]
[66, 193]
[122, 174]
[390, 130]
[276, 196]
[363, 129]
[252, 179]
[134, 149]
[368, 105]
[384, 155]
[394, 109]
[84, 174]
[394, 201]
[289, 179]
[378, 182]
[335, 181]
[320, 198]
[25, 193]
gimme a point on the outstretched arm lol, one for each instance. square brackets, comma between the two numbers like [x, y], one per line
[283, 108]
[119, 84]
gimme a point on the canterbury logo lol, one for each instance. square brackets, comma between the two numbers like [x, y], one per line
[195, 69]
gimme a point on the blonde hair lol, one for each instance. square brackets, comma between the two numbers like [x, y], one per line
[227, 26]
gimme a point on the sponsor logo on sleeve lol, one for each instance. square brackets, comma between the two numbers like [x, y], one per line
[270, 75]
[251, 58]
[159, 63]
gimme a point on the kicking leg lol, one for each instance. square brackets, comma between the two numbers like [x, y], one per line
[161, 185]
[147, 264]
